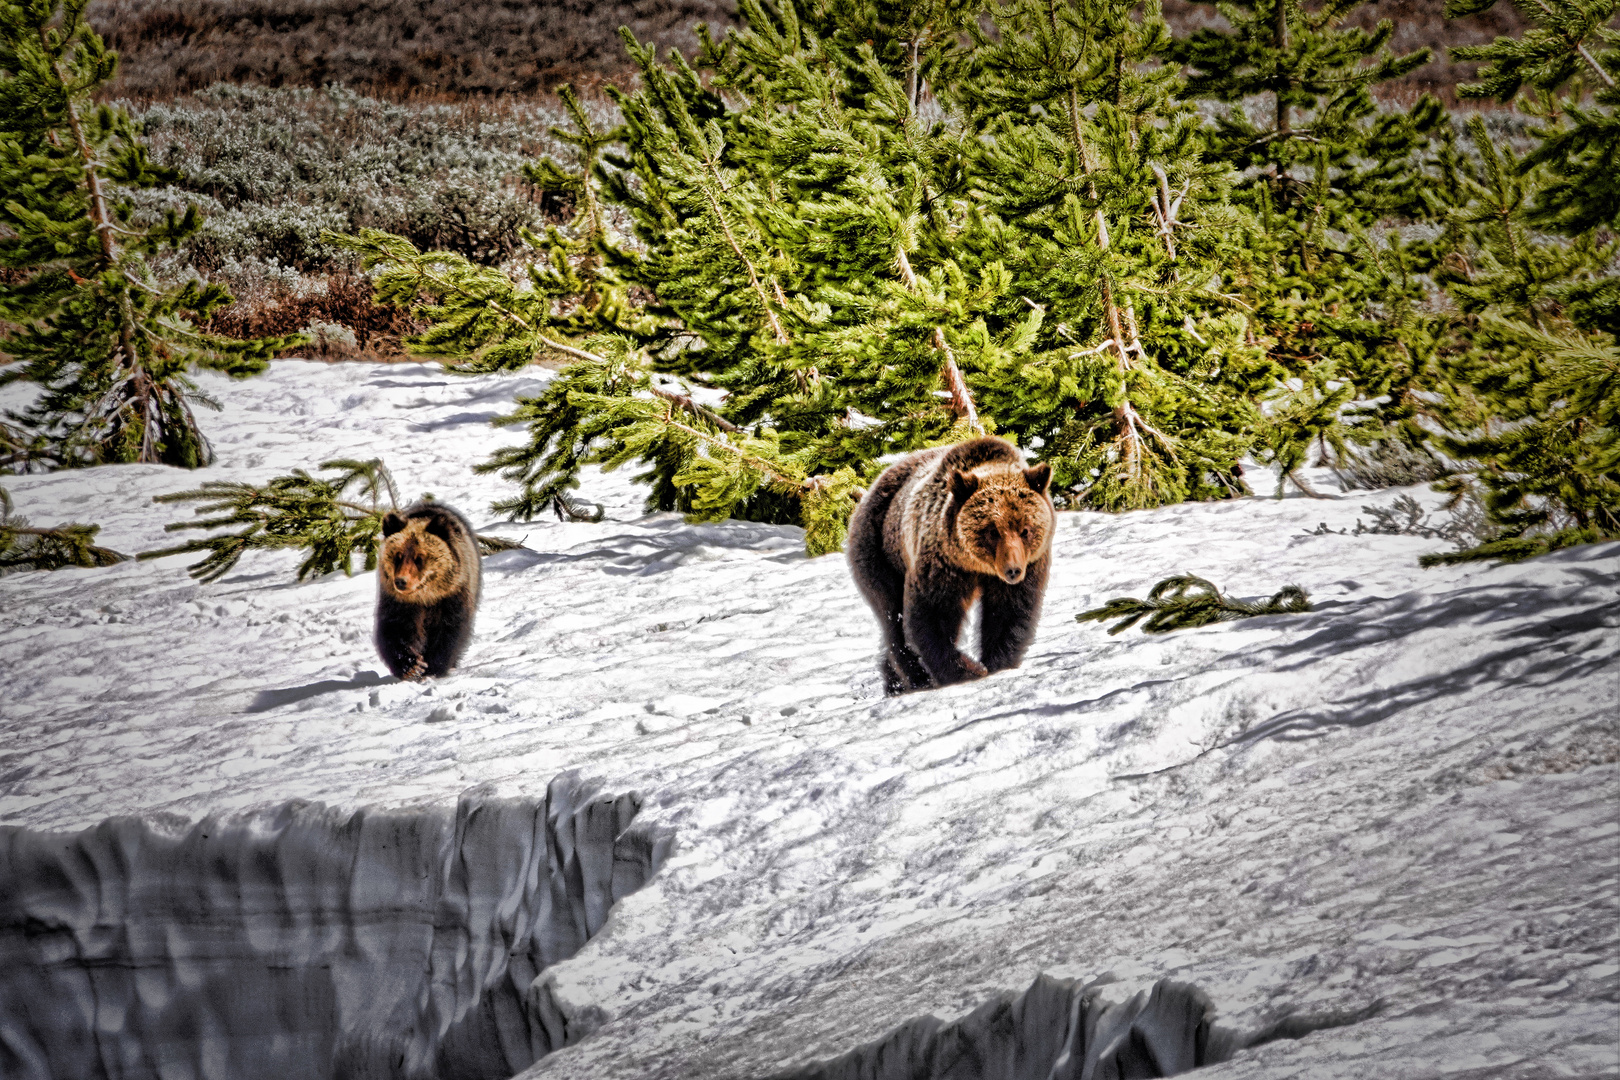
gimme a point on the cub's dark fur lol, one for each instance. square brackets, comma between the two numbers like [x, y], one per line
[427, 590]
[939, 530]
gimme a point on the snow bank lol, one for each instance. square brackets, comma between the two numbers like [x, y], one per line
[1060, 1029]
[306, 942]
[1406, 798]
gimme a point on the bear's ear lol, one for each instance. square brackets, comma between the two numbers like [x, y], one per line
[393, 522]
[1039, 476]
[445, 527]
[963, 485]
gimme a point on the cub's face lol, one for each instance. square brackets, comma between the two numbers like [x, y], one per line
[1005, 522]
[416, 563]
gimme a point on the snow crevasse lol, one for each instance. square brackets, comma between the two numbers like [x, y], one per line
[1064, 1029]
[304, 941]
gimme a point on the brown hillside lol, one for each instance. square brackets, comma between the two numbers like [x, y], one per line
[490, 46]
[522, 46]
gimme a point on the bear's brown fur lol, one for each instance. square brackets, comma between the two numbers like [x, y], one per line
[939, 530]
[428, 581]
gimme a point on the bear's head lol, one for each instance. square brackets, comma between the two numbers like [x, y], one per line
[421, 559]
[1003, 518]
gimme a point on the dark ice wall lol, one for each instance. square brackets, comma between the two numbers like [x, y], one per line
[1061, 1029]
[304, 943]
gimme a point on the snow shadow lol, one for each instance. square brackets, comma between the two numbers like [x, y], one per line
[1536, 651]
[265, 700]
[477, 390]
[1061, 1029]
[659, 547]
[1353, 627]
[456, 420]
[304, 942]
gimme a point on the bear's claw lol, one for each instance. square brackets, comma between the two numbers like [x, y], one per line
[416, 671]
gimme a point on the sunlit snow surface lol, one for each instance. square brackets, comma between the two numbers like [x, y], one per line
[1405, 798]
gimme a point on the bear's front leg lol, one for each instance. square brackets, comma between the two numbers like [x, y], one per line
[934, 610]
[903, 672]
[1008, 615]
[402, 641]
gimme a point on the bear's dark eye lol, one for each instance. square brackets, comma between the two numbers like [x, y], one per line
[988, 537]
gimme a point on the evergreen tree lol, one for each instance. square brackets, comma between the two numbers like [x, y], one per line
[800, 283]
[107, 344]
[1534, 364]
[1571, 46]
[1337, 297]
[1139, 385]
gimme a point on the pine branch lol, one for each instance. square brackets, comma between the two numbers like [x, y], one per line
[297, 511]
[1512, 549]
[28, 547]
[1185, 601]
[748, 264]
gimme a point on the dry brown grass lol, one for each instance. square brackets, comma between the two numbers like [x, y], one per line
[389, 46]
[339, 299]
[432, 50]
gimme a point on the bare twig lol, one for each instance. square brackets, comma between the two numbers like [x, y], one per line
[693, 407]
[1304, 486]
[1166, 208]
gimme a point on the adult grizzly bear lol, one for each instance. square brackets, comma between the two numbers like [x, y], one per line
[427, 590]
[939, 530]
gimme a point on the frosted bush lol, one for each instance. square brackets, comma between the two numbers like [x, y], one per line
[285, 233]
[275, 166]
[330, 336]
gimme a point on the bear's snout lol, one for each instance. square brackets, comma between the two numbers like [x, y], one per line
[402, 583]
[1012, 559]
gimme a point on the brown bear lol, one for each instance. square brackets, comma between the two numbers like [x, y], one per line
[427, 590]
[939, 530]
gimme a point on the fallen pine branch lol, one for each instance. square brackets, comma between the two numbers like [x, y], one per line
[29, 547]
[1186, 601]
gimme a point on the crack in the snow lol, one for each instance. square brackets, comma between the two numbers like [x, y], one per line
[304, 942]
[1062, 1029]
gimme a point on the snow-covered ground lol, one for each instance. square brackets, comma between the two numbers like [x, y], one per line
[1399, 808]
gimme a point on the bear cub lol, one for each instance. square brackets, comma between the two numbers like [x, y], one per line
[938, 530]
[427, 590]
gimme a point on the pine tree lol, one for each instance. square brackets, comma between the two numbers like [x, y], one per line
[1096, 196]
[1534, 367]
[1337, 298]
[791, 247]
[1572, 45]
[107, 344]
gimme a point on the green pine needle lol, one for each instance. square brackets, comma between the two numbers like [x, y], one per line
[27, 547]
[1186, 601]
[331, 520]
